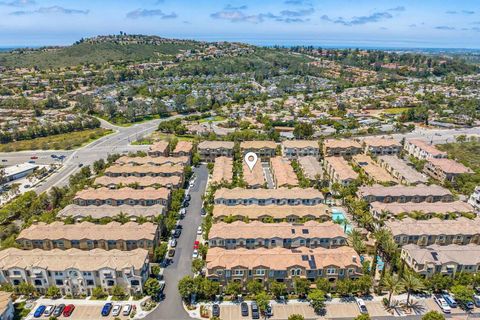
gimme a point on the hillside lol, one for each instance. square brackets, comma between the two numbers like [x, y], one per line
[93, 52]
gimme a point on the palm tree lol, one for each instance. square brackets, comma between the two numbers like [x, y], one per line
[393, 284]
[411, 283]
[355, 239]
[122, 218]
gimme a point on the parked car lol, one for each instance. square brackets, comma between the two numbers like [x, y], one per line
[449, 299]
[171, 253]
[476, 300]
[255, 310]
[116, 310]
[203, 212]
[48, 310]
[195, 254]
[27, 186]
[468, 305]
[126, 309]
[196, 244]
[216, 310]
[269, 311]
[244, 308]
[199, 230]
[34, 157]
[173, 243]
[361, 305]
[68, 310]
[80, 165]
[106, 309]
[58, 310]
[31, 161]
[188, 197]
[39, 312]
[4, 160]
[185, 204]
[442, 303]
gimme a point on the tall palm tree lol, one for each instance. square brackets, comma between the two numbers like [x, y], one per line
[411, 283]
[393, 284]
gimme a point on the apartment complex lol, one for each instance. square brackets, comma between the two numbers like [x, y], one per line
[254, 178]
[88, 236]
[382, 146]
[171, 182]
[74, 271]
[263, 197]
[379, 209]
[152, 161]
[311, 167]
[283, 173]
[474, 199]
[282, 264]
[118, 197]
[182, 149]
[263, 149]
[294, 149]
[399, 193]
[372, 170]
[445, 169]
[222, 170]
[272, 213]
[400, 170]
[209, 150]
[158, 149]
[108, 211]
[257, 234]
[166, 170]
[445, 260]
[339, 170]
[344, 148]
[422, 150]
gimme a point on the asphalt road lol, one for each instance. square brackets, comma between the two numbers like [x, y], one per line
[172, 308]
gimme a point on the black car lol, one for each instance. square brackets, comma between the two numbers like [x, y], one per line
[186, 203]
[255, 311]
[269, 311]
[244, 307]
[177, 233]
[58, 310]
[188, 198]
[216, 310]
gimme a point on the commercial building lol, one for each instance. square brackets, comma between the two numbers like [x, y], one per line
[282, 171]
[209, 150]
[263, 197]
[344, 148]
[263, 149]
[294, 149]
[339, 171]
[118, 197]
[399, 169]
[444, 260]
[282, 265]
[18, 171]
[75, 272]
[445, 169]
[402, 194]
[422, 150]
[272, 213]
[222, 170]
[257, 234]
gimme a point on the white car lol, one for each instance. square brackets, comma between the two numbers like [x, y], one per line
[116, 310]
[173, 243]
[442, 303]
[195, 254]
[199, 230]
[361, 305]
[48, 310]
[126, 309]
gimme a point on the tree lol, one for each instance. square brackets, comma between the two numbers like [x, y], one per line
[438, 282]
[303, 130]
[301, 286]
[411, 283]
[186, 287]
[462, 293]
[433, 315]
[210, 288]
[233, 288]
[363, 317]
[98, 293]
[262, 299]
[155, 269]
[278, 288]
[53, 292]
[118, 292]
[393, 284]
[26, 288]
[197, 265]
[254, 287]
[296, 317]
[364, 283]
[324, 285]
[317, 300]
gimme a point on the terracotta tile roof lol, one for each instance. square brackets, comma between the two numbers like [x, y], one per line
[311, 167]
[341, 143]
[123, 193]
[258, 145]
[300, 144]
[426, 147]
[88, 230]
[60, 260]
[434, 226]
[216, 145]
[163, 169]
[407, 172]
[283, 172]
[277, 212]
[105, 210]
[183, 146]
[381, 142]
[396, 208]
[5, 299]
[371, 169]
[254, 177]
[222, 170]
[147, 181]
[449, 166]
[153, 160]
[260, 230]
[159, 146]
[399, 190]
[467, 255]
[341, 168]
[280, 193]
[281, 258]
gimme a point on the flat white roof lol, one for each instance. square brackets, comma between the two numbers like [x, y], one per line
[19, 168]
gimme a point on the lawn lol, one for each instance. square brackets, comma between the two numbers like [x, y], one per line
[213, 119]
[162, 136]
[65, 141]
[395, 110]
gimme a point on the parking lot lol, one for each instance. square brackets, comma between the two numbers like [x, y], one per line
[83, 312]
[280, 311]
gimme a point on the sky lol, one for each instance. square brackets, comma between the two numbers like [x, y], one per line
[335, 23]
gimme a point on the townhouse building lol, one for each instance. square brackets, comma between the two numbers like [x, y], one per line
[422, 150]
[294, 149]
[132, 212]
[170, 182]
[263, 149]
[445, 169]
[401, 171]
[144, 171]
[394, 209]
[311, 167]
[372, 170]
[474, 199]
[445, 260]
[272, 213]
[153, 161]
[183, 149]
[382, 146]
[402, 194]
[222, 170]
[158, 149]
[122, 196]
[339, 171]
[7, 310]
[282, 171]
[282, 264]
[263, 197]
[341, 148]
[210, 150]
[88, 236]
[255, 177]
[257, 234]
[75, 272]
[461, 231]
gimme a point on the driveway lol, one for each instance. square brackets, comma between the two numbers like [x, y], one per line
[172, 308]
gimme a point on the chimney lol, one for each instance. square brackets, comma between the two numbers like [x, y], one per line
[354, 259]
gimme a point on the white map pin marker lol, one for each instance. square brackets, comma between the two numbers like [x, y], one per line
[251, 159]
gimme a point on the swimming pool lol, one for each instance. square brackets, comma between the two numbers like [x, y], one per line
[339, 215]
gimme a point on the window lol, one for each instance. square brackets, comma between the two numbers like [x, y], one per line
[219, 272]
[331, 271]
[38, 282]
[58, 282]
[135, 283]
[90, 282]
[260, 272]
[238, 272]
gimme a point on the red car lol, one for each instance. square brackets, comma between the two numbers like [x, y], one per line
[68, 310]
[196, 244]
[34, 157]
